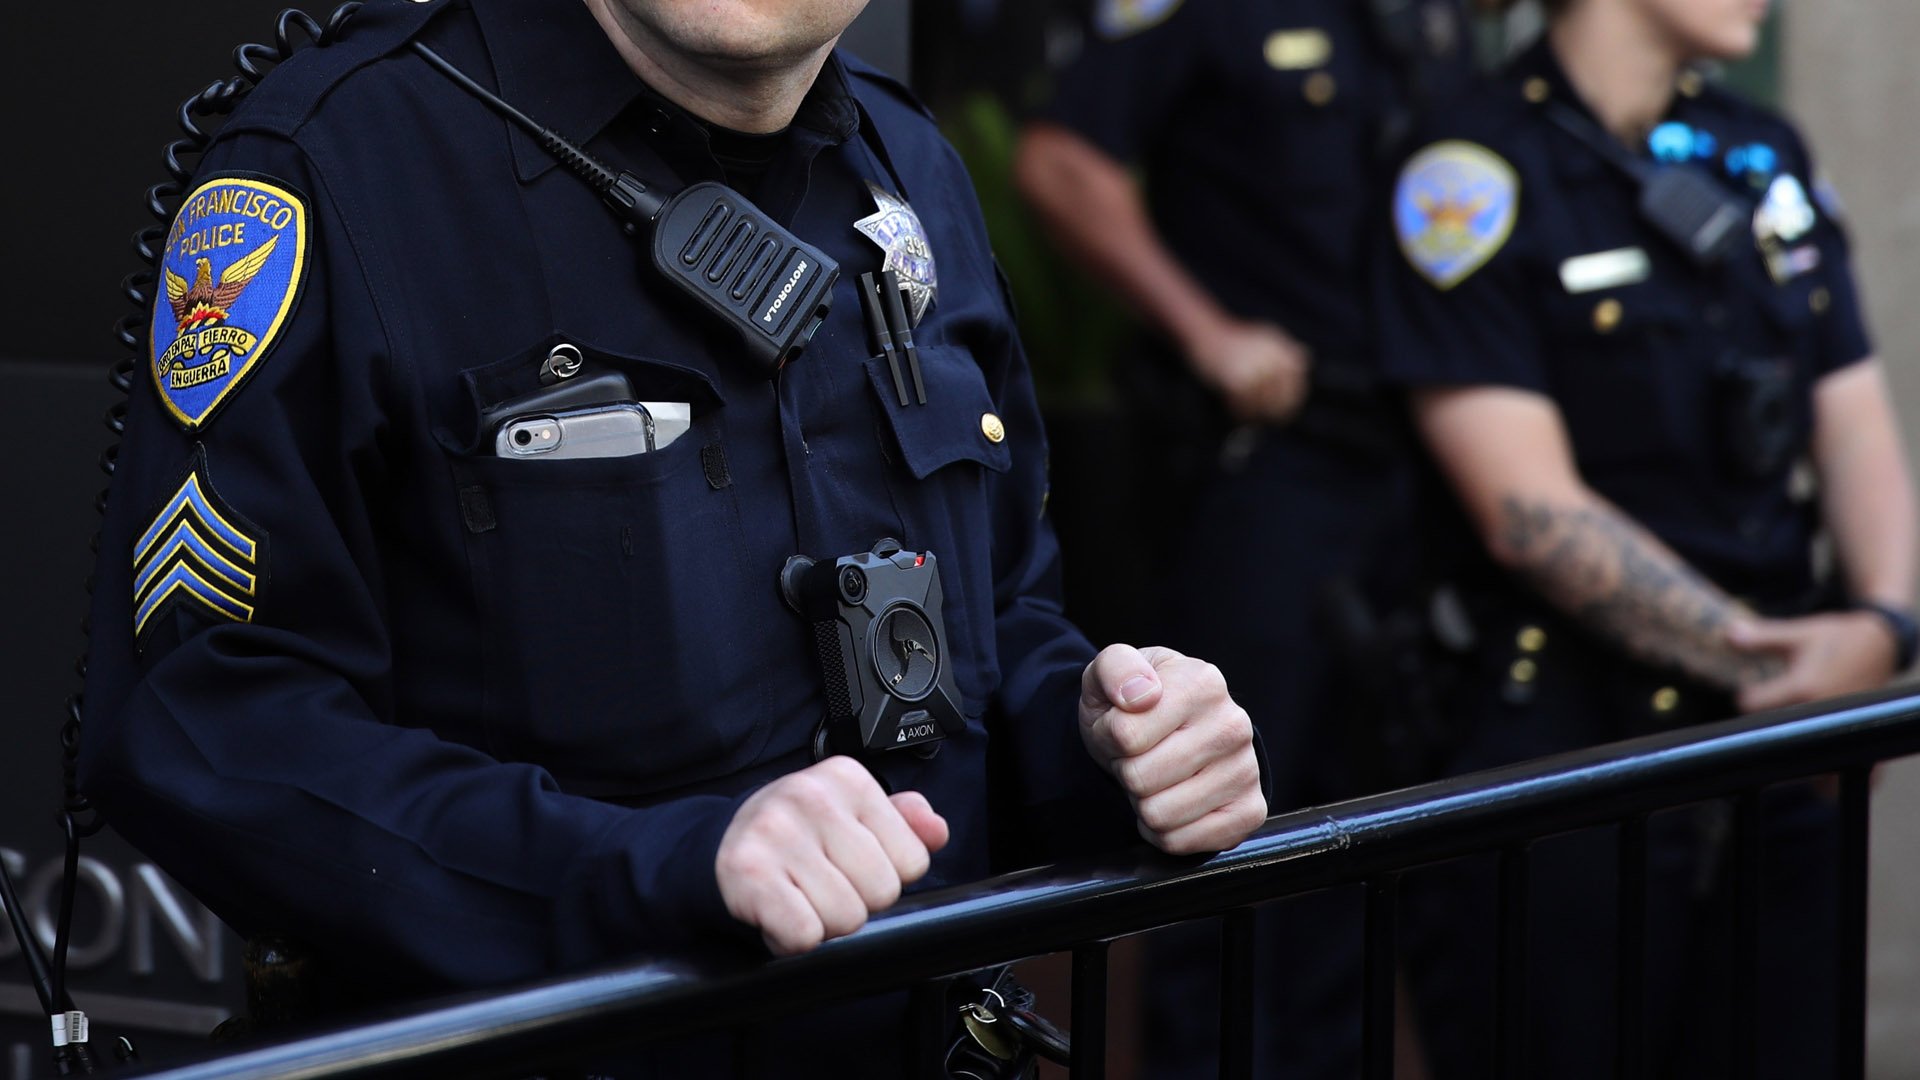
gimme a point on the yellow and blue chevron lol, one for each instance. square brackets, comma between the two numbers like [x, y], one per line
[197, 551]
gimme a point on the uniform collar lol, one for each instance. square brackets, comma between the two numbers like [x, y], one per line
[552, 61]
[1539, 79]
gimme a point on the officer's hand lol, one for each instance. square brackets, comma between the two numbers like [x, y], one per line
[1255, 366]
[1165, 727]
[1819, 656]
[811, 855]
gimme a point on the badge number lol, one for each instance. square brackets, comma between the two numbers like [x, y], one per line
[898, 232]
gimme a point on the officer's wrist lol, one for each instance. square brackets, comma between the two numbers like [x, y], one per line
[1200, 332]
[1900, 625]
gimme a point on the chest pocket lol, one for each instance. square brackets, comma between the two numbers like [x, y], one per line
[598, 579]
[1629, 371]
[946, 450]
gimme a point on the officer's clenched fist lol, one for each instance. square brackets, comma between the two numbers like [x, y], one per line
[1165, 727]
[811, 855]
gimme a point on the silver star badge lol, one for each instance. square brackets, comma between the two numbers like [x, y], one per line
[898, 232]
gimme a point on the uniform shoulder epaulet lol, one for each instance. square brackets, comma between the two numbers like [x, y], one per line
[1782, 129]
[294, 89]
[864, 74]
[1454, 207]
[235, 261]
[1759, 121]
[1715, 96]
[1492, 111]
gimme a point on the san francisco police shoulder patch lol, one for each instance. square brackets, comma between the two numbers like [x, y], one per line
[235, 262]
[1114, 19]
[1454, 209]
[197, 552]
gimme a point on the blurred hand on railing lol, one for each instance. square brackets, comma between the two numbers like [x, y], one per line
[1824, 655]
[1164, 725]
[808, 857]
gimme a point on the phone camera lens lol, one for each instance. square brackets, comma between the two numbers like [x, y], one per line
[522, 437]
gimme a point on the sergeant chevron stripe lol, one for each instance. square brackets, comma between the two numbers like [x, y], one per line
[197, 551]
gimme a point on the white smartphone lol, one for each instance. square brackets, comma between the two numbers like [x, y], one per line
[615, 429]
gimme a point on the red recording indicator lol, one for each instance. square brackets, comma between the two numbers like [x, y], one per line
[919, 560]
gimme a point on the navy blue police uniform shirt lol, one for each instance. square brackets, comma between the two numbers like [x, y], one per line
[1524, 263]
[1260, 127]
[466, 719]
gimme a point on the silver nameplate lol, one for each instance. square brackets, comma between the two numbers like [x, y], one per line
[1605, 270]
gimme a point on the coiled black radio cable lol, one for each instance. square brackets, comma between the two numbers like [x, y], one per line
[72, 1053]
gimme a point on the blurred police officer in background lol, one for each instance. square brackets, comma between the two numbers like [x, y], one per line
[1623, 305]
[455, 710]
[1263, 133]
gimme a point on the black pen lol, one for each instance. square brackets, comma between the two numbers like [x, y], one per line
[870, 302]
[903, 331]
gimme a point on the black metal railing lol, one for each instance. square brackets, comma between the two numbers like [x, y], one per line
[1081, 908]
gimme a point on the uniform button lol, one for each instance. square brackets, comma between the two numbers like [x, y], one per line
[1531, 639]
[1752, 528]
[1716, 315]
[992, 428]
[1665, 700]
[1607, 315]
[658, 120]
[1536, 90]
[1819, 300]
[1319, 88]
[1523, 670]
[1689, 84]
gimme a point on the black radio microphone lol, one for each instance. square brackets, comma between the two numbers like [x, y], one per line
[1680, 202]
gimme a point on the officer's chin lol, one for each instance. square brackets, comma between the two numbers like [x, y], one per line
[1731, 43]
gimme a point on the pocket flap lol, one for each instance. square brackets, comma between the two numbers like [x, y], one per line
[958, 422]
[1615, 311]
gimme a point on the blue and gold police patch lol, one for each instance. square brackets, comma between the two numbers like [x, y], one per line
[1453, 209]
[1114, 19]
[235, 260]
[199, 553]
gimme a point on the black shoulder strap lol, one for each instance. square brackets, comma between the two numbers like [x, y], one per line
[1680, 202]
[1568, 120]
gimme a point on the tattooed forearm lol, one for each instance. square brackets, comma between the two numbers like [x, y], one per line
[1618, 580]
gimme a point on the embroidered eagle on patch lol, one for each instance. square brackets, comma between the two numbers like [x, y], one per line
[204, 302]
